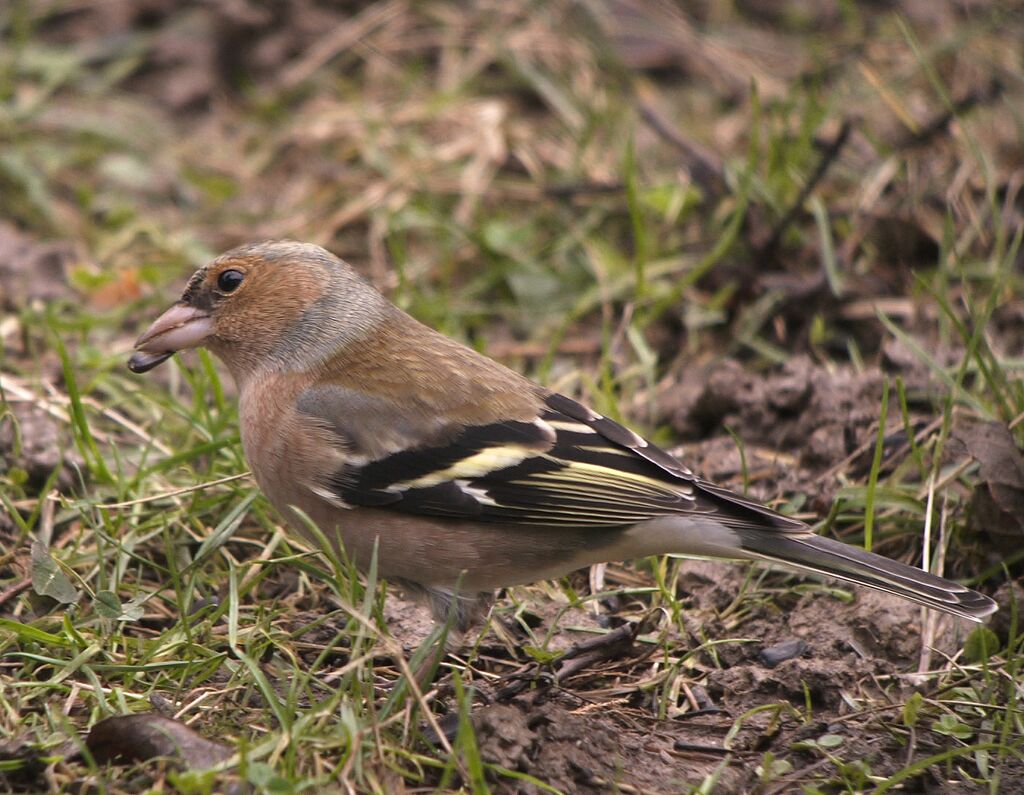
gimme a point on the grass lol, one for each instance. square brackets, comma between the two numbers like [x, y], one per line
[496, 171]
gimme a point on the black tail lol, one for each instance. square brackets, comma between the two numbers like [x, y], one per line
[850, 563]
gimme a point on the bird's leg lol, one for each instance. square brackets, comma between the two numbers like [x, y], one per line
[455, 614]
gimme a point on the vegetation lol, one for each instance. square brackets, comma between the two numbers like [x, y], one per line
[783, 241]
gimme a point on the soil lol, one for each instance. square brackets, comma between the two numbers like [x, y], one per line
[599, 729]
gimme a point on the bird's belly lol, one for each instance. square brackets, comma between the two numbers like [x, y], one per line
[478, 557]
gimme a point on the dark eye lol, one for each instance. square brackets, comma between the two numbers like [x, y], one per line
[229, 280]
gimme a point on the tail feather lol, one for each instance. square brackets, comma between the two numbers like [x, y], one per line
[846, 562]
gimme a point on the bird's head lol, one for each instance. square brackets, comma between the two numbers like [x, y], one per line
[272, 305]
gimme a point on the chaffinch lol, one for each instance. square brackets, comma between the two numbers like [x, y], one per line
[464, 473]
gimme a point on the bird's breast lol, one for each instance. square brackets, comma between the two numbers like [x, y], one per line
[286, 452]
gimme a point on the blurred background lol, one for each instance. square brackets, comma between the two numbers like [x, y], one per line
[535, 156]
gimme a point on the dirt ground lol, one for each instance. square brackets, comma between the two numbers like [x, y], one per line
[808, 673]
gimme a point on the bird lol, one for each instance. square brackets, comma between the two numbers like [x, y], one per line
[456, 474]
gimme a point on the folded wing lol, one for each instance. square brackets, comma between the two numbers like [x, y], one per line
[569, 467]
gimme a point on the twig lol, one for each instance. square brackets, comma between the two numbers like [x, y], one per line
[337, 41]
[924, 134]
[705, 167]
[829, 155]
[918, 437]
[14, 590]
[176, 493]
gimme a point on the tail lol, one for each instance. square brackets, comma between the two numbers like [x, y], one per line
[845, 562]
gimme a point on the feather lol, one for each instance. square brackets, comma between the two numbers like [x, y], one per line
[570, 468]
[846, 562]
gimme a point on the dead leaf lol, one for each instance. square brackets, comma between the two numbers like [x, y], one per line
[136, 738]
[123, 287]
[48, 579]
[997, 506]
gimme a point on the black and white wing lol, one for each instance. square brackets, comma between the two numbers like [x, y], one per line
[569, 467]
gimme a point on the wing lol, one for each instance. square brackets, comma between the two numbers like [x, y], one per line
[569, 467]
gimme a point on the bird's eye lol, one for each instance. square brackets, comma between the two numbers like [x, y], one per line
[229, 280]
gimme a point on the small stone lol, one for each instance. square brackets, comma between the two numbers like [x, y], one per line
[780, 652]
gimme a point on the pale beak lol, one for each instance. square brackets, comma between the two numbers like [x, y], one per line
[178, 328]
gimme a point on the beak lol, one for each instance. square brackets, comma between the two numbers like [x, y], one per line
[178, 328]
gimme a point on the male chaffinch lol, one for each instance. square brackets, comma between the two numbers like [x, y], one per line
[463, 473]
